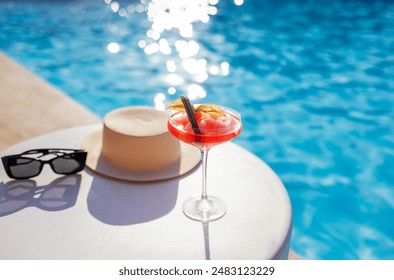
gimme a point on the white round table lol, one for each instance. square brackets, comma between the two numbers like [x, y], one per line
[88, 216]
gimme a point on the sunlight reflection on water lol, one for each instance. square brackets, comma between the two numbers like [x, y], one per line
[171, 35]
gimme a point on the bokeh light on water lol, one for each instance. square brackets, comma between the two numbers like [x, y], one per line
[172, 40]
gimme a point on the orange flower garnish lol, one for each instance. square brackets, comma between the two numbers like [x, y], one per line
[176, 105]
[211, 109]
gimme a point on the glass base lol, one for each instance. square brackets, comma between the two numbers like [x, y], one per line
[204, 210]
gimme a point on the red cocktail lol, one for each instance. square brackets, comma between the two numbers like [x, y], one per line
[216, 125]
[214, 129]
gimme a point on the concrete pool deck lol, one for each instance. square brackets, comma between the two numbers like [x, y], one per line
[31, 107]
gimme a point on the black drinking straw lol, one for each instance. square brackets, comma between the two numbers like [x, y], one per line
[190, 114]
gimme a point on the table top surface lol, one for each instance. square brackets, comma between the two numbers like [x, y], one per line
[89, 216]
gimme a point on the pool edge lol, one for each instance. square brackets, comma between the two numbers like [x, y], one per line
[30, 106]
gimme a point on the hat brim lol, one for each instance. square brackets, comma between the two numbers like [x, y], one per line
[96, 161]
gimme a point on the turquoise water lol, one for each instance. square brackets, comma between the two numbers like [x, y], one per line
[313, 80]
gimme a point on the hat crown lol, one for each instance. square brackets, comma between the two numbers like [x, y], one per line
[137, 138]
[137, 121]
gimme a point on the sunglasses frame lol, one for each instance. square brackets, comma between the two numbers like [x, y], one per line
[78, 155]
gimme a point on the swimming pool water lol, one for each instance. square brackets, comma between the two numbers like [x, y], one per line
[313, 80]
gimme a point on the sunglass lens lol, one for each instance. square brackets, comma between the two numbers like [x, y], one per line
[67, 164]
[23, 168]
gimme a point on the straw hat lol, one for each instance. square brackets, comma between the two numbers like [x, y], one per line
[135, 145]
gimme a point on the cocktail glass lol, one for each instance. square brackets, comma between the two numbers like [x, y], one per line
[214, 130]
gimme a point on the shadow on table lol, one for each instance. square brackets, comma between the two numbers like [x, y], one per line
[58, 195]
[205, 228]
[117, 202]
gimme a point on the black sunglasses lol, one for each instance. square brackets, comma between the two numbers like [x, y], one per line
[30, 163]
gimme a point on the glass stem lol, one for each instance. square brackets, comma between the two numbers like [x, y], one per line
[204, 159]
